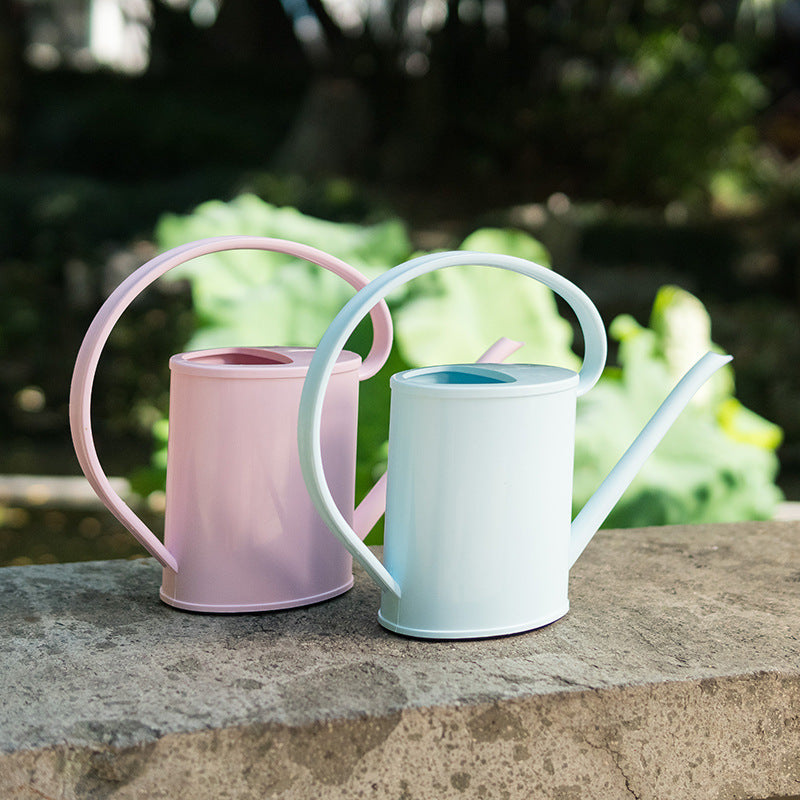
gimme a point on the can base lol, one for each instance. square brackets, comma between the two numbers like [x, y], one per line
[245, 608]
[482, 633]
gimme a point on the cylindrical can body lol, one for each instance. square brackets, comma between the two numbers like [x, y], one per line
[479, 499]
[239, 520]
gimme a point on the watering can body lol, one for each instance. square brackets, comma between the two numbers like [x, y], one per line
[478, 537]
[239, 521]
[479, 498]
[241, 533]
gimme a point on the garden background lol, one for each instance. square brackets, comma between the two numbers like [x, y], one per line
[632, 145]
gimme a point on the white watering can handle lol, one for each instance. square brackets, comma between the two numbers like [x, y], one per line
[100, 329]
[344, 324]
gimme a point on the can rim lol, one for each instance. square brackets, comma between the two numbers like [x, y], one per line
[485, 380]
[255, 362]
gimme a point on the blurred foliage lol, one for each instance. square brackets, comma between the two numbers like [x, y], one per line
[53, 535]
[453, 315]
[65, 242]
[480, 102]
[679, 153]
[681, 120]
[718, 462]
[257, 297]
[642, 101]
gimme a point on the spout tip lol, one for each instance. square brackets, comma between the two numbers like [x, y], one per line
[711, 362]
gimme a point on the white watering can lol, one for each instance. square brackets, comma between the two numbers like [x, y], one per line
[478, 540]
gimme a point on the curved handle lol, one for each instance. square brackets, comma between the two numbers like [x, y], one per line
[120, 299]
[346, 321]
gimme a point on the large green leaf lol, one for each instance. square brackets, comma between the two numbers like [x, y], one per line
[717, 463]
[250, 297]
[457, 313]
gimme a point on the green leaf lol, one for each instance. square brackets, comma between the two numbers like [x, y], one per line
[463, 310]
[253, 297]
[716, 464]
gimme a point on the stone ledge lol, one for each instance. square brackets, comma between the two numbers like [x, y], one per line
[676, 674]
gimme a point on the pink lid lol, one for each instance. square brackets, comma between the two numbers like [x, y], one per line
[255, 362]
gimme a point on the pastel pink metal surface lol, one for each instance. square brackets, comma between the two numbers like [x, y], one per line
[238, 520]
[241, 533]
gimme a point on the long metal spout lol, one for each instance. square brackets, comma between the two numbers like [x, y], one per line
[599, 505]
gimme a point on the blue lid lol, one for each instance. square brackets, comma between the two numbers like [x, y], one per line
[485, 380]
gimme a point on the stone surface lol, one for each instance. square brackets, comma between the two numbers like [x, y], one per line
[676, 674]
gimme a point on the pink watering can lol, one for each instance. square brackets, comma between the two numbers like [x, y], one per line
[241, 533]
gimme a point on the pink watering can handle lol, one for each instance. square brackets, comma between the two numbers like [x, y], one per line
[121, 298]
